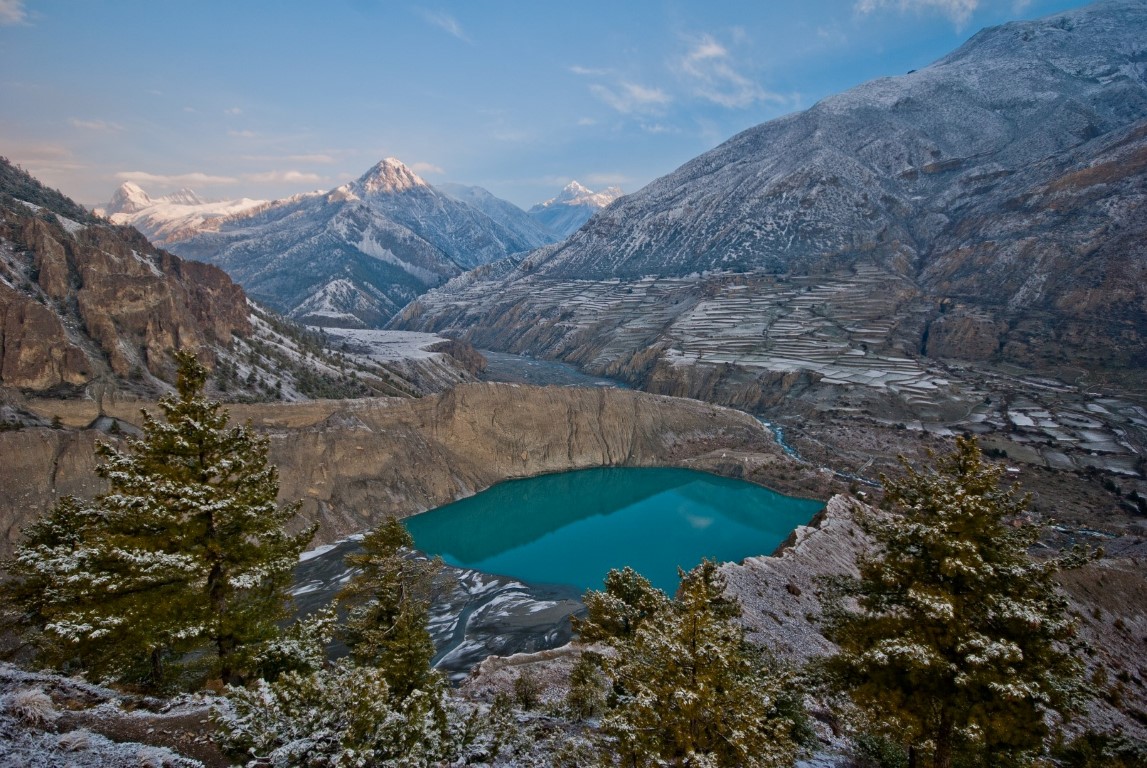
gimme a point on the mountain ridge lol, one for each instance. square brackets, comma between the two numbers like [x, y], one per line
[354, 255]
[977, 209]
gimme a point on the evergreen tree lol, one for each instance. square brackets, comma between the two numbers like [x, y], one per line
[690, 691]
[186, 550]
[388, 603]
[345, 716]
[617, 611]
[952, 639]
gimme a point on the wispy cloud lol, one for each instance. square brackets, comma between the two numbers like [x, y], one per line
[233, 111]
[959, 11]
[243, 134]
[446, 22]
[709, 70]
[181, 179]
[12, 12]
[283, 177]
[94, 125]
[425, 168]
[318, 159]
[589, 71]
[630, 98]
[607, 179]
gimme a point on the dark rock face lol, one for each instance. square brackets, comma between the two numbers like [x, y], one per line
[1006, 183]
[79, 300]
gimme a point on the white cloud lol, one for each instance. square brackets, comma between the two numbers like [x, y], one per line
[628, 98]
[94, 125]
[283, 177]
[709, 70]
[425, 168]
[318, 159]
[242, 134]
[233, 111]
[606, 179]
[446, 22]
[12, 12]
[182, 179]
[959, 11]
[585, 122]
[589, 71]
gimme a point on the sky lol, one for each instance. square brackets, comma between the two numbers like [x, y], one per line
[268, 98]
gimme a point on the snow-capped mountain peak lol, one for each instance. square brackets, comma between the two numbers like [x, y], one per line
[571, 192]
[388, 177]
[572, 207]
[129, 198]
[185, 196]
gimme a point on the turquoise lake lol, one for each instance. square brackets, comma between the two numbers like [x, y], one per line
[573, 527]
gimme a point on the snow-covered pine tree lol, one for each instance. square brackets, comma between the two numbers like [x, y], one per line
[388, 607]
[185, 552]
[952, 639]
[617, 611]
[691, 691]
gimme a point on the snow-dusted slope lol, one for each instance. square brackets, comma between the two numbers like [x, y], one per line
[991, 206]
[171, 218]
[503, 212]
[355, 255]
[575, 205]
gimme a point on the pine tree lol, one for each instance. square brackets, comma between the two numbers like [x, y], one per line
[617, 611]
[388, 603]
[690, 691]
[952, 639]
[187, 549]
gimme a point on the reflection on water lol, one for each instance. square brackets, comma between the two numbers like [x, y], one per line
[571, 528]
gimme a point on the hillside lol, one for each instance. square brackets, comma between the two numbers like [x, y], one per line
[874, 252]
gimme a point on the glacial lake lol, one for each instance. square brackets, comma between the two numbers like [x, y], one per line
[571, 528]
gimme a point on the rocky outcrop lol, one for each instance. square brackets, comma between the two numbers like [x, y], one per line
[35, 351]
[781, 601]
[356, 462]
[964, 335]
[81, 299]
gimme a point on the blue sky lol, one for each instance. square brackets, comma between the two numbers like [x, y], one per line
[266, 99]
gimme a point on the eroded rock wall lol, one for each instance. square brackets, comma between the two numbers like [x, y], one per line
[80, 301]
[354, 462]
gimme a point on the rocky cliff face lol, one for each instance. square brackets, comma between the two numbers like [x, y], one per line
[355, 462]
[1004, 183]
[83, 299]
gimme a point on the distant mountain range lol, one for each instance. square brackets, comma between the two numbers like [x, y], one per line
[174, 217]
[351, 257]
[989, 207]
[91, 307]
[573, 207]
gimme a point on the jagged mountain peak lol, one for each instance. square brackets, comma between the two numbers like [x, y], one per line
[129, 198]
[389, 176]
[572, 207]
[185, 196]
[573, 190]
[576, 193]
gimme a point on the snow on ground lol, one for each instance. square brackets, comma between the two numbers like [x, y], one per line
[386, 346]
